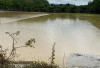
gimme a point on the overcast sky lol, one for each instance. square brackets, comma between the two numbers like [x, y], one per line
[76, 2]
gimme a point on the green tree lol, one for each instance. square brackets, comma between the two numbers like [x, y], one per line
[44, 6]
[96, 5]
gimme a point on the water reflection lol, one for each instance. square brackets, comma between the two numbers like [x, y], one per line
[71, 34]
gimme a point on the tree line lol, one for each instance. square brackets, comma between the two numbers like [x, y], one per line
[44, 6]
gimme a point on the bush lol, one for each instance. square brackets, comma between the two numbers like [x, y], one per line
[41, 65]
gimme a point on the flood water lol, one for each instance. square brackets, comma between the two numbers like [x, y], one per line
[73, 33]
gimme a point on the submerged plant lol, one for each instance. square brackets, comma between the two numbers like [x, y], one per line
[6, 61]
[53, 54]
[3, 56]
[29, 43]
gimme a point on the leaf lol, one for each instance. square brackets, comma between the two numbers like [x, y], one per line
[7, 32]
[0, 46]
[33, 40]
[17, 33]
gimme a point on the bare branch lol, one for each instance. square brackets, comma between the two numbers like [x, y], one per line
[29, 43]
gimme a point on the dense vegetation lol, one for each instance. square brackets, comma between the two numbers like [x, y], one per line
[41, 65]
[44, 6]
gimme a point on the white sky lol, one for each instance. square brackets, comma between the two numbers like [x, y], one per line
[76, 2]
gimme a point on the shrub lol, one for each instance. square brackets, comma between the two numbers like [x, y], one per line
[38, 64]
